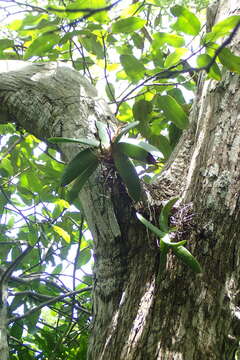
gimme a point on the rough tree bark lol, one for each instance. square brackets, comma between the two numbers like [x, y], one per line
[140, 313]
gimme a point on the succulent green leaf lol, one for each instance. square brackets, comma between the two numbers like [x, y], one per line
[133, 67]
[187, 22]
[90, 142]
[81, 180]
[164, 215]
[167, 241]
[135, 152]
[187, 258]
[78, 165]
[128, 25]
[173, 111]
[128, 174]
[162, 38]
[103, 134]
[231, 61]
[125, 130]
[150, 226]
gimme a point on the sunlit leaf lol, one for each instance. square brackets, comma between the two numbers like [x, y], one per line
[41, 45]
[61, 232]
[162, 38]
[187, 22]
[128, 25]
[174, 57]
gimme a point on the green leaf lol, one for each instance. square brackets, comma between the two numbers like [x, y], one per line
[187, 258]
[6, 43]
[90, 142]
[41, 45]
[167, 241]
[175, 57]
[214, 72]
[135, 152]
[164, 215]
[142, 110]
[150, 226]
[78, 165]
[125, 130]
[99, 16]
[61, 232]
[162, 38]
[81, 180]
[222, 28]
[161, 142]
[110, 91]
[173, 111]
[128, 174]
[231, 61]
[128, 25]
[132, 67]
[187, 22]
[103, 133]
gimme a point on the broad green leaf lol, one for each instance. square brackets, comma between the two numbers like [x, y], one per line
[187, 258]
[125, 130]
[231, 61]
[162, 38]
[174, 134]
[41, 45]
[138, 40]
[164, 215]
[142, 111]
[90, 142]
[61, 232]
[81, 180]
[128, 25]
[103, 133]
[132, 67]
[78, 165]
[92, 44]
[187, 22]
[214, 72]
[128, 174]
[161, 142]
[173, 111]
[222, 28]
[135, 152]
[150, 226]
[84, 257]
[6, 43]
[175, 57]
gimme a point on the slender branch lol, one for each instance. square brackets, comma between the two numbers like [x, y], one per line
[48, 302]
[14, 264]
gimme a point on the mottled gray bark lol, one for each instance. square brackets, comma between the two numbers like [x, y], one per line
[140, 313]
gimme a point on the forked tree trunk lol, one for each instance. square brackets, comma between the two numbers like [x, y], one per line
[139, 312]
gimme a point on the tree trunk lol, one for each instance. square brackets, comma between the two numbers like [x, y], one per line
[140, 312]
